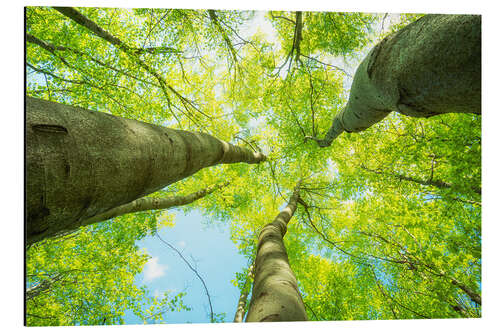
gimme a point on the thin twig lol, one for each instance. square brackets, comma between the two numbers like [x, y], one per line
[195, 272]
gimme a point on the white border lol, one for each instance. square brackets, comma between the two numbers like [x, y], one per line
[12, 138]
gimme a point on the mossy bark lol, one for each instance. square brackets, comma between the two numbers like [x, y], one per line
[430, 67]
[275, 294]
[81, 163]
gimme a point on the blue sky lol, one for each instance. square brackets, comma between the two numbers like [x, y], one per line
[215, 258]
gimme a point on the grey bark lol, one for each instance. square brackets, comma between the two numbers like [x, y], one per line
[143, 204]
[240, 310]
[81, 163]
[432, 66]
[242, 301]
[41, 287]
[275, 294]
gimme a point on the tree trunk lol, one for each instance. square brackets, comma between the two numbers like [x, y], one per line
[39, 288]
[275, 295]
[240, 310]
[242, 301]
[81, 163]
[432, 66]
[143, 204]
[473, 295]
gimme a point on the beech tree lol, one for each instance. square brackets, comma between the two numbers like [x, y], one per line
[275, 294]
[404, 73]
[82, 163]
[388, 222]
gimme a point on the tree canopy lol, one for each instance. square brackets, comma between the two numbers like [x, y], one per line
[389, 221]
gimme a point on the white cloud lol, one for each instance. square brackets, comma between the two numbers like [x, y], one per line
[153, 269]
[182, 244]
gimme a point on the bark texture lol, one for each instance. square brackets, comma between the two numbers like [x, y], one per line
[242, 301]
[143, 204]
[240, 310]
[81, 163]
[275, 295]
[432, 66]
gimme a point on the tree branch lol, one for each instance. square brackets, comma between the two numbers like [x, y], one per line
[282, 17]
[415, 260]
[144, 204]
[194, 271]
[297, 35]
[79, 18]
[325, 64]
[51, 47]
[436, 183]
[215, 21]
[335, 130]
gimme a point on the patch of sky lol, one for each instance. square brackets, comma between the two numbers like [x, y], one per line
[260, 24]
[351, 62]
[34, 77]
[255, 123]
[209, 249]
[332, 169]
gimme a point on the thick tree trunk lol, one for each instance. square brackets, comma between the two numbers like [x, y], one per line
[275, 295]
[143, 204]
[432, 66]
[81, 163]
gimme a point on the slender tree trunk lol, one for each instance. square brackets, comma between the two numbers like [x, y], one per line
[473, 295]
[242, 301]
[297, 36]
[275, 295]
[44, 285]
[240, 310]
[81, 163]
[432, 66]
[143, 204]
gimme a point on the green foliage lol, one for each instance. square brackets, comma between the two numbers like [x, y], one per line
[88, 277]
[392, 226]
